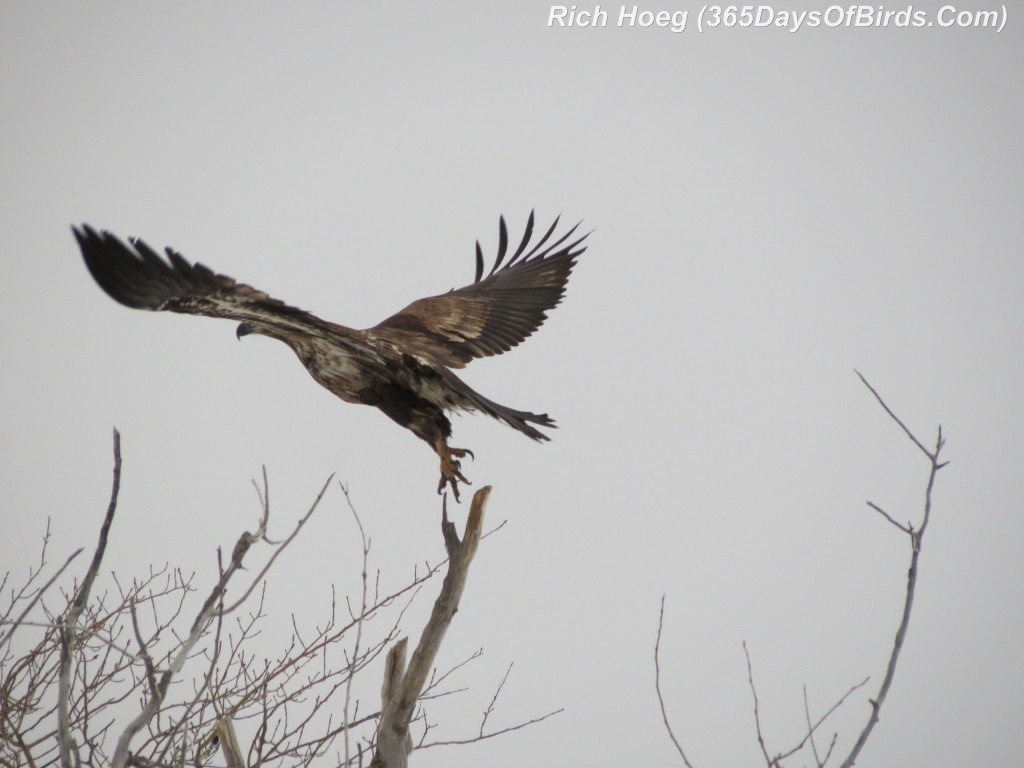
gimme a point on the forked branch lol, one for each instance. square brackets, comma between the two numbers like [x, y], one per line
[915, 536]
[402, 686]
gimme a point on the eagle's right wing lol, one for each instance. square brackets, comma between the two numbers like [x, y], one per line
[496, 311]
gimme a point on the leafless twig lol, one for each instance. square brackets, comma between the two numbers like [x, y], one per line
[494, 700]
[657, 686]
[809, 736]
[757, 715]
[359, 623]
[492, 734]
[905, 528]
[279, 548]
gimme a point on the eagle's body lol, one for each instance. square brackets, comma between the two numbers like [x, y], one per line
[402, 365]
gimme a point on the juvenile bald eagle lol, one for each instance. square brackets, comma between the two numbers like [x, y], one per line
[401, 365]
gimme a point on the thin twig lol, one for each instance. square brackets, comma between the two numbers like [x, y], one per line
[895, 418]
[17, 735]
[494, 700]
[757, 715]
[657, 686]
[905, 528]
[810, 730]
[822, 719]
[39, 594]
[492, 734]
[280, 548]
[359, 622]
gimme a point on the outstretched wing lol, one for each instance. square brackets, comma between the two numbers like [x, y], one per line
[136, 276]
[493, 313]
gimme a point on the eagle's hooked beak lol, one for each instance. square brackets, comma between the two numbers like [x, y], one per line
[243, 329]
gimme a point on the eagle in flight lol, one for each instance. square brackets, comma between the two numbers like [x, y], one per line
[403, 365]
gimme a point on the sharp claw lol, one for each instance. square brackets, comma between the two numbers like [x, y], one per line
[461, 453]
[451, 468]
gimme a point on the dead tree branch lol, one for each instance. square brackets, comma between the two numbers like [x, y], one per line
[69, 628]
[757, 714]
[104, 648]
[809, 736]
[657, 686]
[365, 542]
[402, 687]
[262, 533]
[210, 608]
[38, 596]
[916, 537]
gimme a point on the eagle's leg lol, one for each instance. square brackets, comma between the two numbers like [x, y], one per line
[451, 467]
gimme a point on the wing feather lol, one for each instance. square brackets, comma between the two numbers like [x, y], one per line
[493, 313]
[135, 275]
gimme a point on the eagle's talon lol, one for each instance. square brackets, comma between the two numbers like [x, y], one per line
[451, 467]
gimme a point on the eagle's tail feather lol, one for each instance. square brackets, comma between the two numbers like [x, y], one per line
[520, 420]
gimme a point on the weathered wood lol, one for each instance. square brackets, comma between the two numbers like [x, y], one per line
[402, 687]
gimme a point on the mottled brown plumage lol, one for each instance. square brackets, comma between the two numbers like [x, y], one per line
[402, 365]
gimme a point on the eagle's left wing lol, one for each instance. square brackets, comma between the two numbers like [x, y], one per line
[493, 313]
[135, 275]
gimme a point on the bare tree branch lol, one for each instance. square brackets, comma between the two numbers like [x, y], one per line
[359, 623]
[265, 503]
[127, 647]
[908, 603]
[895, 418]
[224, 731]
[199, 625]
[491, 734]
[905, 528]
[143, 651]
[25, 750]
[69, 628]
[757, 716]
[35, 599]
[821, 720]
[657, 686]
[916, 537]
[402, 687]
[494, 700]
[810, 731]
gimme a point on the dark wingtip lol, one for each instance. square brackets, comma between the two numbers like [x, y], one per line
[122, 271]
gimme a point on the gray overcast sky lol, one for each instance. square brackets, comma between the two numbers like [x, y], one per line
[771, 211]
